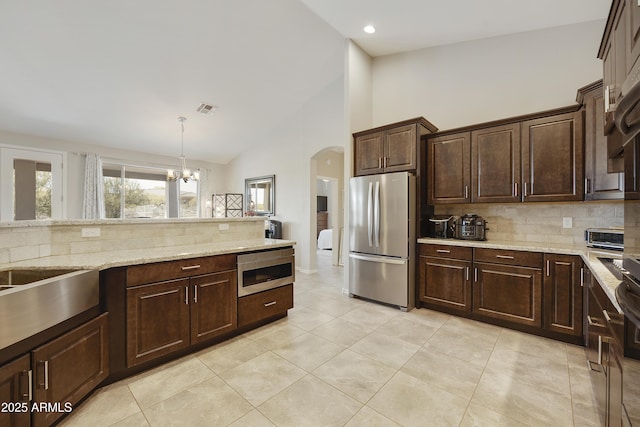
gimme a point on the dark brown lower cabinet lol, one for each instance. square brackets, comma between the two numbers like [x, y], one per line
[14, 393]
[509, 293]
[68, 368]
[563, 294]
[445, 277]
[168, 316]
[264, 305]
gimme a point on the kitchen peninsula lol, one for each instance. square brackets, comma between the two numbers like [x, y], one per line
[166, 288]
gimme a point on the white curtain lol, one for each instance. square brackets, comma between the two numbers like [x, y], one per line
[93, 202]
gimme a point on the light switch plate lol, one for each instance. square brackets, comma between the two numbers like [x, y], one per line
[567, 222]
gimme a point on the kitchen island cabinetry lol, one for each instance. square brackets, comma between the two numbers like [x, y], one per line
[256, 308]
[390, 148]
[68, 368]
[563, 294]
[15, 390]
[508, 286]
[170, 315]
[445, 277]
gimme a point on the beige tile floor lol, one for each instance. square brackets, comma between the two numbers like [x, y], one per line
[338, 361]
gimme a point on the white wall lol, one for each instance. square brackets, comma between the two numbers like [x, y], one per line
[286, 152]
[360, 88]
[490, 79]
[214, 175]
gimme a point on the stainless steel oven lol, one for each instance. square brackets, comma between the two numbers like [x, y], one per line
[264, 270]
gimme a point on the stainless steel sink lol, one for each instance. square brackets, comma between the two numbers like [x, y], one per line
[33, 300]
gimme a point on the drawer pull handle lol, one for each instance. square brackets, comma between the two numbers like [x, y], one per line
[548, 268]
[467, 272]
[29, 394]
[195, 294]
[608, 317]
[190, 267]
[504, 256]
[592, 322]
[186, 295]
[269, 304]
[45, 364]
[443, 251]
[475, 275]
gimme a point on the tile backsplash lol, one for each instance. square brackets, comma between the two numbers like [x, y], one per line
[18, 243]
[541, 222]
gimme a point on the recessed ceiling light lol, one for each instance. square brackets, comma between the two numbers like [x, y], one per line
[369, 29]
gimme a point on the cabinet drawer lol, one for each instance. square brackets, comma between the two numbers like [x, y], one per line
[160, 271]
[505, 256]
[446, 251]
[263, 305]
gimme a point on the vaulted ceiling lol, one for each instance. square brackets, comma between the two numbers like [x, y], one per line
[119, 73]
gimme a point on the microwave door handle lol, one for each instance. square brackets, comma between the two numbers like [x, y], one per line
[376, 215]
[370, 214]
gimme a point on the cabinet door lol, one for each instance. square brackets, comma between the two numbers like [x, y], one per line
[563, 294]
[633, 47]
[599, 183]
[449, 171]
[157, 320]
[446, 283]
[495, 164]
[508, 293]
[400, 146]
[368, 154]
[553, 158]
[214, 305]
[70, 367]
[14, 389]
[632, 170]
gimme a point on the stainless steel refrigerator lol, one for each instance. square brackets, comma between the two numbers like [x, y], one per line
[382, 238]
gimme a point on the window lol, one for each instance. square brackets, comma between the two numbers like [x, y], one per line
[32, 181]
[144, 192]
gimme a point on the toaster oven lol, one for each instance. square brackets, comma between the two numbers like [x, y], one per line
[605, 238]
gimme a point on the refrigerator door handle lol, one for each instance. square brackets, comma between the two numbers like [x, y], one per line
[384, 260]
[376, 215]
[370, 214]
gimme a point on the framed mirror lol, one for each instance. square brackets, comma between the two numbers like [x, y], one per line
[260, 194]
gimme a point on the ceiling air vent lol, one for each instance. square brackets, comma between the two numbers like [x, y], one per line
[207, 108]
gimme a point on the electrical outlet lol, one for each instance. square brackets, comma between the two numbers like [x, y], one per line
[567, 222]
[223, 227]
[90, 232]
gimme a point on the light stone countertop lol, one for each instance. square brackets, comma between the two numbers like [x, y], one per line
[95, 222]
[105, 260]
[605, 278]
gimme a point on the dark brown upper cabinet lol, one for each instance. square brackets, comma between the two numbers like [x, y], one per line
[495, 164]
[553, 158]
[602, 175]
[449, 177]
[390, 148]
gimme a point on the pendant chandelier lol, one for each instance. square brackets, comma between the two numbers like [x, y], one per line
[185, 174]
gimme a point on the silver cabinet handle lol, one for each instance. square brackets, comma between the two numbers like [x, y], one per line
[525, 190]
[505, 256]
[466, 191]
[29, 394]
[592, 322]
[190, 267]
[46, 374]
[186, 295]
[548, 268]
[606, 315]
[475, 274]
[443, 251]
[195, 293]
[467, 273]
[582, 277]
[384, 163]
[587, 183]
[379, 162]
[515, 185]
[599, 349]
[269, 304]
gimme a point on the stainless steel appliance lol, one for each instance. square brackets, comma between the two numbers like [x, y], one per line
[442, 226]
[471, 227]
[382, 238]
[264, 270]
[605, 238]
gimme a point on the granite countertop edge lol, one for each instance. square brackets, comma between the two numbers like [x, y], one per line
[605, 278]
[110, 259]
